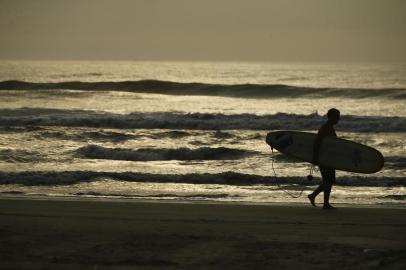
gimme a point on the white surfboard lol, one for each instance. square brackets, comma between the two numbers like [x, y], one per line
[334, 152]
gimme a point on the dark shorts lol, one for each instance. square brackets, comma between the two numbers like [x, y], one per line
[328, 175]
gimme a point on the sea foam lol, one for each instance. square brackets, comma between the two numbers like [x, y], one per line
[198, 121]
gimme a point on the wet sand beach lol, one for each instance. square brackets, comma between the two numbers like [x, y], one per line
[94, 234]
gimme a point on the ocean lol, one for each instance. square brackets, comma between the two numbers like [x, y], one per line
[193, 130]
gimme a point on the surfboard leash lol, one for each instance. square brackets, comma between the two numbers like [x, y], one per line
[309, 178]
[311, 171]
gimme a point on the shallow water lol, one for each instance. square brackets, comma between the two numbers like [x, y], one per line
[126, 144]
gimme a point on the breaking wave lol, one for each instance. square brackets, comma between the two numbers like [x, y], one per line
[398, 197]
[103, 136]
[150, 154]
[230, 178]
[199, 121]
[237, 90]
[20, 156]
[395, 162]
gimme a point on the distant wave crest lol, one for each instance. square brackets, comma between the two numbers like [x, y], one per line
[235, 90]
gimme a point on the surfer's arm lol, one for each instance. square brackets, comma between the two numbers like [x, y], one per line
[317, 142]
[316, 149]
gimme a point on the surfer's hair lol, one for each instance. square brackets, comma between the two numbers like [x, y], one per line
[333, 112]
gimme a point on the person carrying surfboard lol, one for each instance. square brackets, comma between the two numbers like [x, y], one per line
[328, 174]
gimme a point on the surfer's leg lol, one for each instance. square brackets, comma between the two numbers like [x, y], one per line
[313, 195]
[327, 191]
[328, 180]
[318, 190]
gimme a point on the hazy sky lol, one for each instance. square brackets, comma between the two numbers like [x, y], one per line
[234, 30]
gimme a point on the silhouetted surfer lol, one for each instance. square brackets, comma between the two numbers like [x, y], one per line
[328, 174]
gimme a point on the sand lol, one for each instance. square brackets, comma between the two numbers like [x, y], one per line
[94, 234]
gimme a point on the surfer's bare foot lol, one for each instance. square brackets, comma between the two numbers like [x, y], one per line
[329, 207]
[311, 199]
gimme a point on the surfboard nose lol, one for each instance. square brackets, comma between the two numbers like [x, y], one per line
[279, 139]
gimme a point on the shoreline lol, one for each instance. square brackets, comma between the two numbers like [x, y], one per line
[142, 200]
[135, 200]
[73, 234]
